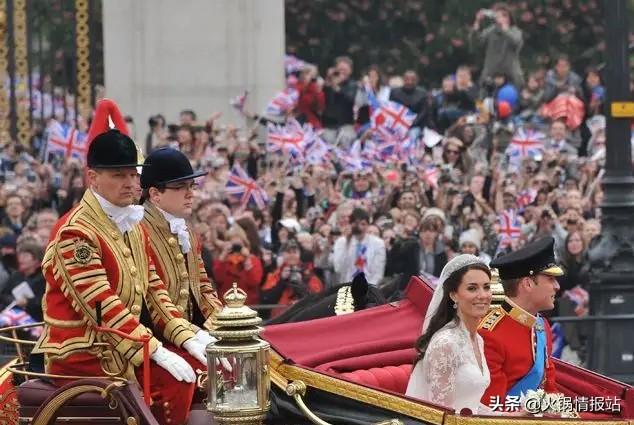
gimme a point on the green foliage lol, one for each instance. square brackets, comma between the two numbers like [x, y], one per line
[431, 36]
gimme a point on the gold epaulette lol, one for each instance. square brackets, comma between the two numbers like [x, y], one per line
[491, 320]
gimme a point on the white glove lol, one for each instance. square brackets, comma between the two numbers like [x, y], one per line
[204, 338]
[174, 364]
[196, 349]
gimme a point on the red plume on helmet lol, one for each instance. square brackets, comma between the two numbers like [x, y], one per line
[106, 108]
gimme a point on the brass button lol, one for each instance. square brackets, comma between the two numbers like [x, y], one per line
[114, 235]
[184, 275]
[136, 309]
[166, 405]
[133, 271]
[172, 241]
[184, 292]
[127, 252]
[180, 258]
[137, 287]
[180, 308]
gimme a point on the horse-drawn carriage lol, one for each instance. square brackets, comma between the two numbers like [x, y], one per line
[344, 369]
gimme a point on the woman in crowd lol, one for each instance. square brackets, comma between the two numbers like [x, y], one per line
[236, 263]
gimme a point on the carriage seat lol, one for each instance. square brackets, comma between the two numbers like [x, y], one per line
[33, 393]
[391, 378]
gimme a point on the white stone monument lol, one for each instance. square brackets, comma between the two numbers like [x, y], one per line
[163, 56]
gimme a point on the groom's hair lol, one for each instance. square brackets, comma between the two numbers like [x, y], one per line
[510, 286]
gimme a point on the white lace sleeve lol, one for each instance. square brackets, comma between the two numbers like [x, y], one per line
[441, 364]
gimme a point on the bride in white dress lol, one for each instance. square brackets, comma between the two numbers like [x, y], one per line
[451, 369]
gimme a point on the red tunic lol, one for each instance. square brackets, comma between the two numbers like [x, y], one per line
[87, 262]
[509, 350]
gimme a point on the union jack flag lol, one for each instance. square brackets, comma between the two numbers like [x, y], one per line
[510, 227]
[430, 176]
[293, 64]
[286, 140]
[526, 197]
[283, 101]
[393, 116]
[245, 188]
[580, 297]
[316, 151]
[15, 316]
[66, 140]
[239, 101]
[355, 163]
[525, 143]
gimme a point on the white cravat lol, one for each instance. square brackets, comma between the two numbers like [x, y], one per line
[124, 217]
[178, 226]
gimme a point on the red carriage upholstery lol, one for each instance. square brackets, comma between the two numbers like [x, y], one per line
[391, 378]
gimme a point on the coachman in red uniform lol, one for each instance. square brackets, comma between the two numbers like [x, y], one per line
[517, 340]
[99, 260]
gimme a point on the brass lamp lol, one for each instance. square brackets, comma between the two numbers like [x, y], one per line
[238, 372]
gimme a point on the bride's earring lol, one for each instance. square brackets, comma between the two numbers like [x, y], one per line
[455, 306]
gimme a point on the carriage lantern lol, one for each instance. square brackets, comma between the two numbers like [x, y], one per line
[238, 373]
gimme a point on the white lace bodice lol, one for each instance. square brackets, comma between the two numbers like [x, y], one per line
[449, 373]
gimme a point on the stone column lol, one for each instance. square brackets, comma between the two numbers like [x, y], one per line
[163, 56]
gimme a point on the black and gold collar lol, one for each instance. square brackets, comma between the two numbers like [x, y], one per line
[518, 314]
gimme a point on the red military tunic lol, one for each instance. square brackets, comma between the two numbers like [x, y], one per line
[509, 349]
[89, 261]
[184, 274]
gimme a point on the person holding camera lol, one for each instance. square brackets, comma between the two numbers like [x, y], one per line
[340, 92]
[291, 281]
[502, 41]
[237, 263]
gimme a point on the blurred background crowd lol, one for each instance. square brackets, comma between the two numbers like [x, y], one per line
[360, 164]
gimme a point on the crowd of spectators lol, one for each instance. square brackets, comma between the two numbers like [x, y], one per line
[469, 189]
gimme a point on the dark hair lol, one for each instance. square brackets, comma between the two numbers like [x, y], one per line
[446, 313]
[359, 214]
[189, 112]
[568, 258]
[251, 230]
[505, 8]
[510, 286]
[145, 193]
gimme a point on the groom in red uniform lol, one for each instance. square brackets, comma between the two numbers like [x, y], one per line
[99, 272]
[517, 340]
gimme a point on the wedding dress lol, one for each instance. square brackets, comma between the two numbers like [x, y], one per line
[451, 370]
[449, 374]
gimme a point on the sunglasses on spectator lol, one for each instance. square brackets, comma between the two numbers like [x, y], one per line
[453, 151]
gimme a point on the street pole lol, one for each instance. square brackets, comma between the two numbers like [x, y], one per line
[611, 255]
